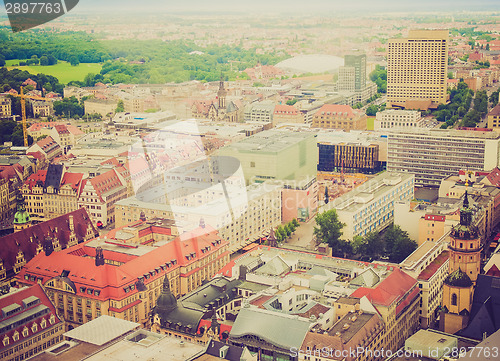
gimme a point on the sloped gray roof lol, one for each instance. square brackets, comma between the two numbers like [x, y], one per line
[231, 107]
[367, 278]
[274, 267]
[270, 327]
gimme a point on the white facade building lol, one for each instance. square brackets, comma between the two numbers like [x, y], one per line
[393, 118]
[370, 207]
[434, 154]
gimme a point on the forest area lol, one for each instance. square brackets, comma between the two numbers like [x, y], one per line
[134, 61]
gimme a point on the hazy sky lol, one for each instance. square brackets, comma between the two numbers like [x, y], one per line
[261, 6]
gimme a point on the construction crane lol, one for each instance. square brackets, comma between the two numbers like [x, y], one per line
[23, 111]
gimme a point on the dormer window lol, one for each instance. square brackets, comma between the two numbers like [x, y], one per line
[52, 319]
[34, 328]
[5, 341]
[15, 336]
[25, 331]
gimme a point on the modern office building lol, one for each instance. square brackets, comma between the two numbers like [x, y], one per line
[417, 68]
[366, 152]
[433, 154]
[359, 158]
[274, 154]
[370, 207]
[392, 118]
[352, 76]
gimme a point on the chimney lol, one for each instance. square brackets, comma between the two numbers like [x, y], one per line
[99, 257]
[71, 224]
[202, 223]
[48, 246]
[142, 216]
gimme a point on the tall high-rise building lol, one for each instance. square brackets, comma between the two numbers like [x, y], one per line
[417, 68]
[358, 62]
[352, 76]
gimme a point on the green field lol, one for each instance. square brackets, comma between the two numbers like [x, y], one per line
[62, 70]
[370, 123]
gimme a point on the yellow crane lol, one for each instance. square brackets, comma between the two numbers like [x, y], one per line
[23, 111]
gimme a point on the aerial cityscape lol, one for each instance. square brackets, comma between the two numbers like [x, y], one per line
[264, 181]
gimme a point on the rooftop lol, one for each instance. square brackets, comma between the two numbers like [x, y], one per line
[101, 330]
[271, 141]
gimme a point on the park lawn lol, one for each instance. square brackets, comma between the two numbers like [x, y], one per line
[62, 70]
[370, 123]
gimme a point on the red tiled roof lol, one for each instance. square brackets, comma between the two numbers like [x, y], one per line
[393, 288]
[111, 280]
[34, 179]
[285, 109]
[494, 177]
[106, 182]
[62, 129]
[493, 271]
[335, 109]
[74, 179]
[259, 301]
[433, 217]
[27, 240]
[432, 268]
[37, 155]
[18, 297]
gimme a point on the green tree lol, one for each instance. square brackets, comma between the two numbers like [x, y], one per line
[295, 222]
[44, 60]
[372, 110]
[494, 97]
[291, 101]
[398, 245]
[73, 60]
[119, 107]
[2, 60]
[328, 230]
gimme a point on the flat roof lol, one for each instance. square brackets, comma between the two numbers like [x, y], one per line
[270, 141]
[101, 330]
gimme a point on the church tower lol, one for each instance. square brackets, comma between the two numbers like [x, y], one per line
[22, 218]
[221, 94]
[465, 244]
[465, 258]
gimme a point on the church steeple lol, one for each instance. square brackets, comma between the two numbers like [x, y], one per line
[465, 212]
[221, 94]
[166, 301]
[22, 218]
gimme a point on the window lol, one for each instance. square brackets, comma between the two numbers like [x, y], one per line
[454, 299]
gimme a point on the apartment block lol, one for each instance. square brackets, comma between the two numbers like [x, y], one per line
[433, 154]
[428, 264]
[392, 118]
[417, 68]
[259, 112]
[253, 211]
[370, 207]
[5, 107]
[29, 324]
[494, 117]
